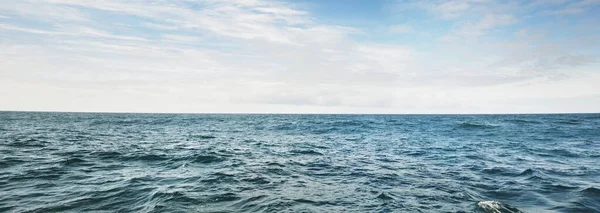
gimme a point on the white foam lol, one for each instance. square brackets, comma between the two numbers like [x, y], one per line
[490, 206]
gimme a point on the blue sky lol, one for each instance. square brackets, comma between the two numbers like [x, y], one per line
[353, 56]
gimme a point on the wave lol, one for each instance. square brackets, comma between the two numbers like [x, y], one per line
[527, 172]
[175, 197]
[131, 122]
[106, 154]
[227, 197]
[29, 143]
[364, 164]
[220, 178]
[497, 171]
[523, 121]
[284, 127]
[385, 196]
[570, 122]
[115, 122]
[204, 136]
[208, 159]
[468, 125]
[496, 207]
[257, 180]
[591, 191]
[306, 152]
[323, 131]
[76, 162]
[349, 123]
[249, 202]
[10, 161]
[149, 157]
[504, 171]
[535, 178]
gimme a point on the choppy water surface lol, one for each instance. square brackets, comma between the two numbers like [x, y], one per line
[75, 162]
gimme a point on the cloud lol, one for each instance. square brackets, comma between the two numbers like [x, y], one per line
[481, 27]
[236, 56]
[572, 8]
[28, 30]
[566, 11]
[41, 10]
[452, 9]
[402, 29]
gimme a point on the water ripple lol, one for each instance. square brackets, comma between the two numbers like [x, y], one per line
[78, 162]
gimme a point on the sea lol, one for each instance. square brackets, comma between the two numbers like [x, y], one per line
[119, 162]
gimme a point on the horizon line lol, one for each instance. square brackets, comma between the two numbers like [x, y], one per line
[293, 113]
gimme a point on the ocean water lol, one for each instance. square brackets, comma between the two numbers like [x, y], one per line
[81, 162]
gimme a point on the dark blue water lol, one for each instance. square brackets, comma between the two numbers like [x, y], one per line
[76, 162]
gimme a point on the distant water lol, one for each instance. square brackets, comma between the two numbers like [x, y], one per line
[76, 162]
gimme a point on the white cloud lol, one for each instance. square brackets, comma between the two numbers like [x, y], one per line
[28, 30]
[402, 29]
[268, 56]
[452, 9]
[586, 3]
[481, 27]
[566, 11]
[573, 8]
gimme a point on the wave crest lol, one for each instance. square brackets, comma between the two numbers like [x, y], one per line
[468, 125]
[496, 207]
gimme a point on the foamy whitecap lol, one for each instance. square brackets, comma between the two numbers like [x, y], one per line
[496, 207]
[489, 206]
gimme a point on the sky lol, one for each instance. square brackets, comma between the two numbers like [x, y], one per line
[304, 56]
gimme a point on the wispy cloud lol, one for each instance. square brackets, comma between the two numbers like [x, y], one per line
[573, 7]
[215, 55]
[402, 29]
[479, 28]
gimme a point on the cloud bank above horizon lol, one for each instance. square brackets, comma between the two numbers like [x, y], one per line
[389, 56]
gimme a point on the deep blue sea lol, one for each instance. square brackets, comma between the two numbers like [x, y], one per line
[101, 162]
